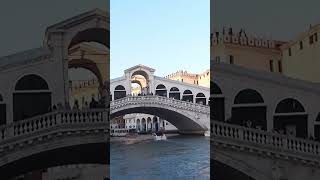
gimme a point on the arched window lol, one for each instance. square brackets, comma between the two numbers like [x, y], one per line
[31, 89]
[201, 99]
[214, 88]
[290, 118]
[119, 92]
[119, 88]
[248, 96]
[187, 96]
[174, 93]
[161, 90]
[31, 82]
[289, 105]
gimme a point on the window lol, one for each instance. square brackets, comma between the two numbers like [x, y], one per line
[231, 59]
[280, 66]
[315, 37]
[218, 59]
[289, 50]
[301, 45]
[271, 65]
[311, 39]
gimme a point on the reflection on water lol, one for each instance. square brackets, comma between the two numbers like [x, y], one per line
[180, 157]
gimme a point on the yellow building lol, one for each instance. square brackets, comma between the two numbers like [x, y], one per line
[201, 79]
[246, 50]
[301, 56]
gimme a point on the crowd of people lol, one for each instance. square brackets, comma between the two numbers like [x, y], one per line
[92, 105]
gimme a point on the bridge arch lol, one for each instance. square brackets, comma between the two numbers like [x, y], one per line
[99, 35]
[119, 92]
[185, 120]
[89, 65]
[174, 93]
[161, 90]
[291, 118]
[187, 96]
[31, 88]
[241, 169]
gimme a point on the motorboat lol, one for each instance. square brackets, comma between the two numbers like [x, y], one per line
[119, 132]
[159, 136]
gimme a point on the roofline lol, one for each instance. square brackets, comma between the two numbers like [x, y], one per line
[271, 77]
[66, 21]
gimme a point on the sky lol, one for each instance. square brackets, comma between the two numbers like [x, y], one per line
[23, 23]
[278, 19]
[167, 35]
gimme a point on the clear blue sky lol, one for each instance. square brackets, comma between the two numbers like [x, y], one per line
[167, 35]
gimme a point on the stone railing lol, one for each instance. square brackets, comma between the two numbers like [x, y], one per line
[159, 100]
[52, 120]
[265, 141]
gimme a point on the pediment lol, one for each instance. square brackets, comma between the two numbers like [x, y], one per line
[140, 67]
[95, 14]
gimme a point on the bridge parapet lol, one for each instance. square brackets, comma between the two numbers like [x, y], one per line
[159, 100]
[52, 120]
[272, 144]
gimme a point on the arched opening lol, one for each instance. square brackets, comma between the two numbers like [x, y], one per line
[84, 88]
[140, 83]
[217, 111]
[187, 96]
[31, 97]
[174, 93]
[221, 171]
[119, 92]
[138, 126]
[3, 111]
[143, 125]
[149, 124]
[290, 118]
[155, 124]
[99, 35]
[201, 99]
[214, 88]
[89, 50]
[161, 90]
[249, 110]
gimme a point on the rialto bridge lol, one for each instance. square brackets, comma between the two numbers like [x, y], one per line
[264, 125]
[182, 104]
[38, 129]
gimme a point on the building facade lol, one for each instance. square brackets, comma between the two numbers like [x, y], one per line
[246, 50]
[301, 56]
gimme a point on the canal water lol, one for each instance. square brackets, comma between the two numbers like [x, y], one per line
[179, 157]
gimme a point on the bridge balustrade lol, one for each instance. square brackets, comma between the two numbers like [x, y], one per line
[254, 138]
[157, 99]
[53, 120]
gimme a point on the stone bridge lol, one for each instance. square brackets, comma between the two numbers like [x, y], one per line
[54, 139]
[189, 118]
[263, 155]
